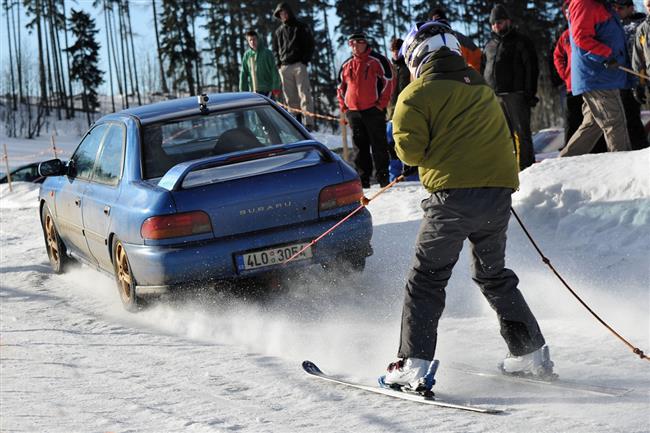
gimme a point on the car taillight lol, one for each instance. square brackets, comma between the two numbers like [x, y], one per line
[176, 225]
[340, 195]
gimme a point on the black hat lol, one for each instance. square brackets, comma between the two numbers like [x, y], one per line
[499, 12]
[623, 2]
[358, 36]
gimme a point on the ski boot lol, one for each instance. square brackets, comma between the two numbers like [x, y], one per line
[411, 375]
[536, 365]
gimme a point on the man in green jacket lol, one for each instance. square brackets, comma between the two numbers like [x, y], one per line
[448, 122]
[258, 72]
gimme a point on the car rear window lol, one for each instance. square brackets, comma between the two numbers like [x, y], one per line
[170, 143]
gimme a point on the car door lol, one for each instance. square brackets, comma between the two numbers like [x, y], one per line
[68, 200]
[102, 194]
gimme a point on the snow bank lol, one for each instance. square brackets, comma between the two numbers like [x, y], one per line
[24, 195]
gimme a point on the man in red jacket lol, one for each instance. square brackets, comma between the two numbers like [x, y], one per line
[365, 86]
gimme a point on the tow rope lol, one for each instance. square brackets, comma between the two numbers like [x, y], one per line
[365, 201]
[634, 349]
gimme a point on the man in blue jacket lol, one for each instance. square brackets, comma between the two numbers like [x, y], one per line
[597, 50]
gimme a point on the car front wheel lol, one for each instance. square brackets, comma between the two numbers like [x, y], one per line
[55, 247]
[124, 278]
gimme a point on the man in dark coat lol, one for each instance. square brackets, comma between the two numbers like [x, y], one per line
[511, 69]
[293, 47]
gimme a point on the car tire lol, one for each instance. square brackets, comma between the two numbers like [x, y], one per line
[56, 250]
[124, 278]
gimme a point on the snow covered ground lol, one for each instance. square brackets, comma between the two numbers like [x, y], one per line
[71, 360]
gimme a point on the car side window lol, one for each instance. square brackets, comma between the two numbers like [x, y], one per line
[26, 174]
[108, 167]
[85, 155]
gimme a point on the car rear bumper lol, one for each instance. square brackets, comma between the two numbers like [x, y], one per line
[156, 268]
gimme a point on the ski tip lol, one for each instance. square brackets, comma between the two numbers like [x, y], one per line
[311, 368]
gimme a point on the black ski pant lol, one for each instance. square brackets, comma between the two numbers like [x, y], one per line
[635, 128]
[573, 120]
[517, 110]
[370, 144]
[451, 216]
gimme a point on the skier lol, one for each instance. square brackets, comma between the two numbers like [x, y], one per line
[448, 122]
[258, 72]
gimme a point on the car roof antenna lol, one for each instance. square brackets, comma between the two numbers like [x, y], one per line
[203, 103]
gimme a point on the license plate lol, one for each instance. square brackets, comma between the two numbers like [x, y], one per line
[271, 256]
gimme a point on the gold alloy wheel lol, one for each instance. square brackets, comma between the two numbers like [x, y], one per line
[52, 241]
[123, 273]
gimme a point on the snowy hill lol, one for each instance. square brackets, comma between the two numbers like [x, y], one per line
[73, 361]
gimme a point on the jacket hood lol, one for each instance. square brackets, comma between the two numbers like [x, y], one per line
[286, 7]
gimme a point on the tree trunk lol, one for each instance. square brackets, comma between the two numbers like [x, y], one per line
[67, 60]
[41, 62]
[123, 53]
[163, 81]
[11, 61]
[111, 24]
[108, 56]
[135, 68]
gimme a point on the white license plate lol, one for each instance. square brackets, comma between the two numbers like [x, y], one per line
[271, 256]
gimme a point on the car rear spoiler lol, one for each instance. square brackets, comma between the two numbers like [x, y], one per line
[173, 179]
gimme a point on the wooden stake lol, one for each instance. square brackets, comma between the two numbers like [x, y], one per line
[6, 158]
[53, 145]
[344, 136]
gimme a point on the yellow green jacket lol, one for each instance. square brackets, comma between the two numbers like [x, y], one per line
[449, 123]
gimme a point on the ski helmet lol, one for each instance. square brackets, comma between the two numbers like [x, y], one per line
[424, 40]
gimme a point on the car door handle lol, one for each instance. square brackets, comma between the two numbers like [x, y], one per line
[77, 202]
[107, 210]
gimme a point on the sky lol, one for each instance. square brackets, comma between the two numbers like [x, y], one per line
[144, 33]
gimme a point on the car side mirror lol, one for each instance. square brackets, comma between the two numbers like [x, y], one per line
[53, 167]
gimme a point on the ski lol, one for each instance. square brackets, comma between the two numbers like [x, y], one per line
[554, 383]
[312, 370]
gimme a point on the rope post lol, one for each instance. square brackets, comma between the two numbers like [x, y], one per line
[344, 138]
[53, 146]
[6, 158]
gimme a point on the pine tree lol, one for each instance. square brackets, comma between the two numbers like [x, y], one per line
[85, 59]
[178, 45]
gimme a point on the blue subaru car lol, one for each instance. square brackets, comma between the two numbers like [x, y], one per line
[185, 191]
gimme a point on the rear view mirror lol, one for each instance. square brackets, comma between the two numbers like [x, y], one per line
[53, 167]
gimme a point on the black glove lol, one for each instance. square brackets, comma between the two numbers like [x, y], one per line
[611, 64]
[408, 170]
[532, 101]
[639, 94]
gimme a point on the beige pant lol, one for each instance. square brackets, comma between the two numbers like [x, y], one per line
[603, 113]
[297, 93]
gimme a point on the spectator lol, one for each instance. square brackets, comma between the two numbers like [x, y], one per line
[258, 72]
[562, 62]
[641, 54]
[402, 79]
[449, 123]
[511, 69]
[573, 108]
[597, 49]
[402, 74]
[631, 20]
[468, 48]
[293, 47]
[365, 86]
